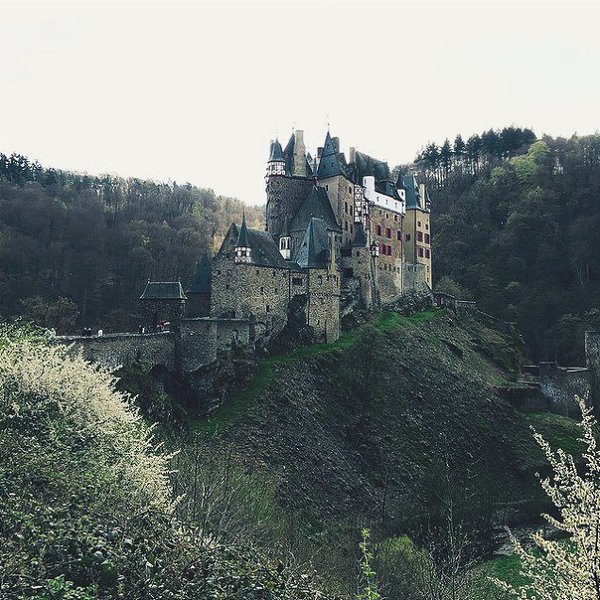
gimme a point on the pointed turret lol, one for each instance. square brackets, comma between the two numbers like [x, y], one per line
[329, 163]
[276, 162]
[243, 252]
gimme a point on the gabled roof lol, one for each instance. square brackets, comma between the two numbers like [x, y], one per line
[163, 290]
[314, 249]
[360, 238]
[200, 283]
[315, 205]
[276, 154]
[329, 164]
[365, 166]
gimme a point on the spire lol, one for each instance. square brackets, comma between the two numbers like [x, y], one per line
[243, 241]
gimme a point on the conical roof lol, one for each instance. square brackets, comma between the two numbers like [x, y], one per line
[243, 240]
[329, 164]
[276, 152]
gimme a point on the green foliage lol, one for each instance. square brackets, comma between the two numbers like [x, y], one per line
[369, 591]
[77, 250]
[521, 231]
[86, 507]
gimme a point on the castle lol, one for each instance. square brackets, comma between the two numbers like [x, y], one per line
[337, 230]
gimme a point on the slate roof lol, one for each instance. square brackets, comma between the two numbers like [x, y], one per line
[163, 290]
[288, 155]
[314, 250]
[315, 205]
[276, 154]
[200, 283]
[330, 163]
[413, 199]
[242, 241]
[366, 165]
[264, 250]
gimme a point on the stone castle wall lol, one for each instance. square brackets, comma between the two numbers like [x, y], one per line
[244, 290]
[114, 350]
[284, 196]
[592, 353]
[194, 344]
[560, 386]
[323, 310]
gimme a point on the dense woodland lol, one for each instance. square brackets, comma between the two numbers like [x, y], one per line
[76, 250]
[516, 225]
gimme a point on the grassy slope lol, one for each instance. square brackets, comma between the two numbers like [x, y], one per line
[337, 428]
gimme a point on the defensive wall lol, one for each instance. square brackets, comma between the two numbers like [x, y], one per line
[194, 343]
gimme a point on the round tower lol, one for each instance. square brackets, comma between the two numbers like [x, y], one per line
[276, 162]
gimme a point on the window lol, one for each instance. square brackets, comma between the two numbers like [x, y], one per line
[420, 252]
[427, 253]
[399, 235]
[296, 280]
[388, 233]
[349, 189]
[257, 271]
[407, 237]
[389, 250]
[418, 223]
[419, 236]
[351, 229]
[327, 187]
[346, 207]
[395, 217]
[378, 229]
[426, 225]
[268, 308]
[427, 238]
[274, 273]
[357, 253]
[262, 290]
[346, 225]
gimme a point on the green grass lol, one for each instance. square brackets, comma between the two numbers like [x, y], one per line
[230, 412]
[505, 568]
[558, 431]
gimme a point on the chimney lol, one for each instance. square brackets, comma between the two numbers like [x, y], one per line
[299, 136]
[351, 155]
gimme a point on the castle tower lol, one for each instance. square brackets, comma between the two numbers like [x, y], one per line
[276, 162]
[300, 165]
[243, 253]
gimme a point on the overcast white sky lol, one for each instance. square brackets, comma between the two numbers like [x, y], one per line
[194, 91]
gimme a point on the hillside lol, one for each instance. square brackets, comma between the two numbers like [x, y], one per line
[86, 506]
[382, 429]
[516, 226]
[76, 250]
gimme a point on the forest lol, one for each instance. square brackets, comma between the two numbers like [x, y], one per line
[516, 226]
[76, 250]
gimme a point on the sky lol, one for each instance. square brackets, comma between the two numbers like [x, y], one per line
[195, 91]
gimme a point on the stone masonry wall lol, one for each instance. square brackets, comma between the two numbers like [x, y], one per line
[242, 290]
[284, 196]
[560, 385]
[324, 304]
[592, 353]
[114, 350]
